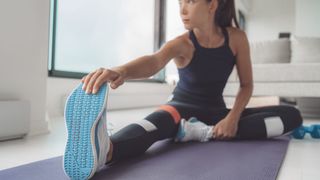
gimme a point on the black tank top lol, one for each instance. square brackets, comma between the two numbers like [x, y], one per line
[205, 77]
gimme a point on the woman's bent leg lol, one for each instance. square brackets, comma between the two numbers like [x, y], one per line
[267, 122]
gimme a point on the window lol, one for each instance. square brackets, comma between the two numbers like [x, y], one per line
[174, 28]
[92, 34]
[242, 21]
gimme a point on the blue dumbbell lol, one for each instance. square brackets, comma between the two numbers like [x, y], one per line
[313, 130]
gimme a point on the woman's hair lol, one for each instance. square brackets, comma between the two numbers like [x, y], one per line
[225, 14]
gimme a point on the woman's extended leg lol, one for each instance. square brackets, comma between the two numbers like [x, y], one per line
[136, 138]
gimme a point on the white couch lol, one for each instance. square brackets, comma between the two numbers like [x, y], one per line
[285, 68]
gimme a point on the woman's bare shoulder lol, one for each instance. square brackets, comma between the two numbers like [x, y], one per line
[185, 46]
[183, 40]
[181, 44]
[237, 38]
[236, 34]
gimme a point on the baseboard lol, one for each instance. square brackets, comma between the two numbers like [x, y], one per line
[309, 107]
[14, 119]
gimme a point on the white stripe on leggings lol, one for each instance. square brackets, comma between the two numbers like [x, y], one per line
[274, 126]
[147, 125]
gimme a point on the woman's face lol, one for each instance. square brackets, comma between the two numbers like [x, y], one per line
[196, 13]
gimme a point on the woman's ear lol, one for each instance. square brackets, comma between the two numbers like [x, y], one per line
[213, 6]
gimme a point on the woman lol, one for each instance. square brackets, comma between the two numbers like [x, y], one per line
[205, 56]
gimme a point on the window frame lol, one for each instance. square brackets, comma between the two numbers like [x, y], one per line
[242, 20]
[159, 39]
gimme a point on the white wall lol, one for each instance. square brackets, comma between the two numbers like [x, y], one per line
[243, 5]
[267, 18]
[308, 18]
[23, 56]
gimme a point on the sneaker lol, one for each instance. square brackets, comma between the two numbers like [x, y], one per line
[193, 130]
[88, 141]
[102, 141]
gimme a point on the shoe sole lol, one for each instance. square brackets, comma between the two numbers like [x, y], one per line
[82, 113]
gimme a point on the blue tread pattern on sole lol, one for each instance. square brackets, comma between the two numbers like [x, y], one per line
[81, 115]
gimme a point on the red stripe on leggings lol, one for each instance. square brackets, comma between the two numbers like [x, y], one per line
[172, 111]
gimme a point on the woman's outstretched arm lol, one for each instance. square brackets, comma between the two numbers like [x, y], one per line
[142, 67]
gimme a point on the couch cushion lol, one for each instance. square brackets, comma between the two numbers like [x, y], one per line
[303, 72]
[305, 49]
[271, 51]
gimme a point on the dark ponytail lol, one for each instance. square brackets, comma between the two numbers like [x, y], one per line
[226, 14]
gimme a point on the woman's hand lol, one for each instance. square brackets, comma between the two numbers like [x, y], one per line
[93, 81]
[225, 129]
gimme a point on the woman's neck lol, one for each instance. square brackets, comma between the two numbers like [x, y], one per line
[210, 36]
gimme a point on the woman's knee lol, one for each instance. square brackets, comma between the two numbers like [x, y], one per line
[293, 115]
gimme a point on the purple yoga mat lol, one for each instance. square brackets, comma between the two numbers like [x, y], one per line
[215, 160]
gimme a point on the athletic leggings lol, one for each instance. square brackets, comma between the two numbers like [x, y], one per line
[255, 123]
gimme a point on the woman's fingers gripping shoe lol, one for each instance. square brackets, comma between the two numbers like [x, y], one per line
[93, 81]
